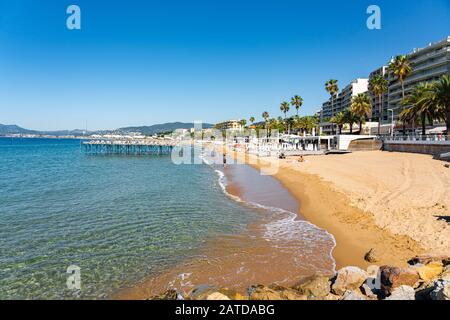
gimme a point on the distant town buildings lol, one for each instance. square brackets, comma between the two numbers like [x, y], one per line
[428, 65]
[234, 125]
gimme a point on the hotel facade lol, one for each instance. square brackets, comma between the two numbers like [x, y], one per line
[428, 65]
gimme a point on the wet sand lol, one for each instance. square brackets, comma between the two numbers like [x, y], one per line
[322, 185]
[280, 247]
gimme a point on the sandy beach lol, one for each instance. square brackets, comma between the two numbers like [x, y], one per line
[395, 203]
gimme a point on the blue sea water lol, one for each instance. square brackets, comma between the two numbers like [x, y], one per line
[118, 218]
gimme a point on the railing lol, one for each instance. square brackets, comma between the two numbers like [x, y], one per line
[414, 137]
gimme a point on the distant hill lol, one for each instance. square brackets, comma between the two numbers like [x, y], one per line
[146, 130]
[160, 128]
[13, 129]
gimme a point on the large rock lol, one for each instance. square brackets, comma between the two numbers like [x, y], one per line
[431, 271]
[369, 292]
[348, 279]
[402, 293]
[288, 293]
[441, 290]
[372, 256]
[446, 272]
[314, 286]
[394, 277]
[354, 295]
[201, 292]
[427, 258]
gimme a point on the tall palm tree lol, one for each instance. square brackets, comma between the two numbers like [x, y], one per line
[420, 106]
[297, 102]
[350, 118]
[378, 85]
[401, 68]
[331, 86]
[440, 98]
[340, 120]
[243, 123]
[284, 107]
[361, 107]
[266, 117]
[252, 120]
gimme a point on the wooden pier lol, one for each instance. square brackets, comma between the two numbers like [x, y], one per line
[131, 147]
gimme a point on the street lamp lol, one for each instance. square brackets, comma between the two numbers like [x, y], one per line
[392, 122]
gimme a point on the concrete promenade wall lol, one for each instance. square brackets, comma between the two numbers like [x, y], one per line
[424, 147]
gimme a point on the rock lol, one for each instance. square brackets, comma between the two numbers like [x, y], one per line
[217, 296]
[288, 294]
[402, 293]
[201, 292]
[354, 295]
[394, 277]
[260, 292]
[430, 271]
[441, 290]
[368, 292]
[274, 292]
[348, 279]
[446, 272]
[170, 294]
[233, 295]
[371, 256]
[427, 258]
[332, 297]
[314, 286]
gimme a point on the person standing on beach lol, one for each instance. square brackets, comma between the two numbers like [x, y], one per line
[224, 159]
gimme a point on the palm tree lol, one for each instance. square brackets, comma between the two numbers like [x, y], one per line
[243, 123]
[252, 120]
[440, 98]
[339, 120]
[284, 107]
[350, 118]
[297, 102]
[401, 68]
[331, 86]
[361, 107]
[420, 106]
[266, 117]
[379, 86]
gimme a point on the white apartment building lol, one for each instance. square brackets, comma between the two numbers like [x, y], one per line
[428, 64]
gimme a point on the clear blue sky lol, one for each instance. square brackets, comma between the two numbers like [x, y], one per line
[146, 62]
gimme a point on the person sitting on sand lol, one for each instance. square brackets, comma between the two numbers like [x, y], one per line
[301, 159]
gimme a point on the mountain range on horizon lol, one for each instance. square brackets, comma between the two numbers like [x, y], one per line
[145, 130]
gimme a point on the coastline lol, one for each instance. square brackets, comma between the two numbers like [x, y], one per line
[336, 210]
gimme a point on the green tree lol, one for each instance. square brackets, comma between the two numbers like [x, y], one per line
[340, 120]
[297, 102]
[284, 107]
[331, 86]
[401, 68]
[252, 120]
[361, 107]
[419, 106]
[378, 85]
[440, 99]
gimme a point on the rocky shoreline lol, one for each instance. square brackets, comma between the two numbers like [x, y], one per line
[427, 277]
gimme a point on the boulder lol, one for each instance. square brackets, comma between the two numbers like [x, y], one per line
[288, 293]
[332, 297]
[441, 290]
[430, 271]
[348, 279]
[217, 296]
[371, 256]
[427, 258]
[446, 272]
[314, 286]
[402, 293]
[202, 292]
[354, 295]
[394, 277]
[260, 292]
[368, 292]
